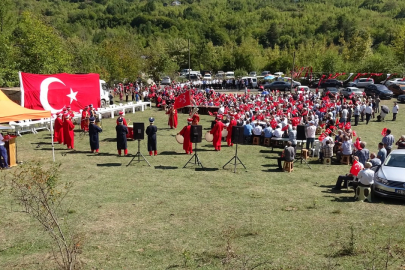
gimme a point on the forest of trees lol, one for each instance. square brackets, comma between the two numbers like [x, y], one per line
[121, 39]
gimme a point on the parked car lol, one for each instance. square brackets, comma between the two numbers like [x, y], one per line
[331, 83]
[288, 79]
[378, 90]
[207, 76]
[166, 80]
[314, 83]
[389, 180]
[397, 89]
[351, 90]
[265, 73]
[284, 86]
[401, 98]
[191, 77]
[361, 82]
[332, 92]
[253, 74]
[393, 81]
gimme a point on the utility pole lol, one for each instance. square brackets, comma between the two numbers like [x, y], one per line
[292, 74]
[189, 76]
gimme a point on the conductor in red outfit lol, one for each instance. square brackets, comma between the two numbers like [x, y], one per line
[58, 129]
[229, 129]
[217, 132]
[185, 132]
[172, 112]
[68, 133]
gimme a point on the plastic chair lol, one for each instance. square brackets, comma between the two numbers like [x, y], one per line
[363, 193]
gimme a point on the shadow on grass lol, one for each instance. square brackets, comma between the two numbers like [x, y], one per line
[273, 170]
[49, 149]
[206, 169]
[42, 143]
[266, 151]
[271, 157]
[109, 165]
[169, 153]
[166, 167]
[109, 140]
[102, 155]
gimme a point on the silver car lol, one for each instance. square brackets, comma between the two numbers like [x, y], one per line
[361, 82]
[351, 90]
[166, 80]
[389, 180]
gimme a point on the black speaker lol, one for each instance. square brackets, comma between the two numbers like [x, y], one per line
[237, 135]
[196, 133]
[139, 131]
[301, 133]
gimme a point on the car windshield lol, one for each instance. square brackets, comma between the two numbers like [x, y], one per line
[382, 87]
[395, 160]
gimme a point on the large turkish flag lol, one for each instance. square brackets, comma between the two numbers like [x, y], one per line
[55, 91]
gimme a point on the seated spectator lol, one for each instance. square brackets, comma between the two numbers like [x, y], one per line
[277, 132]
[287, 155]
[346, 148]
[365, 177]
[268, 132]
[327, 150]
[292, 136]
[344, 179]
[374, 160]
[363, 154]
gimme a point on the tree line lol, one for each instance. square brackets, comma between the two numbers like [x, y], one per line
[123, 39]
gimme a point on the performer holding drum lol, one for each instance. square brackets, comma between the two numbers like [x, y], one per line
[185, 132]
[172, 112]
[216, 131]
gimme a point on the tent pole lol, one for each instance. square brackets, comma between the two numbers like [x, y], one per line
[53, 146]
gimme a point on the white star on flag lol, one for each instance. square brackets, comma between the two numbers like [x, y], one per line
[72, 95]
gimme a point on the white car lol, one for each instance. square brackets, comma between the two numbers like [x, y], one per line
[166, 80]
[389, 180]
[207, 76]
[395, 81]
[361, 82]
[351, 90]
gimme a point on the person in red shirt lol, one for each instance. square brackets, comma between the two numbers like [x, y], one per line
[68, 132]
[217, 132]
[58, 129]
[229, 128]
[185, 132]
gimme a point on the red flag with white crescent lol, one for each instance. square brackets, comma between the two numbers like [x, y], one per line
[54, 91]
[182, 100]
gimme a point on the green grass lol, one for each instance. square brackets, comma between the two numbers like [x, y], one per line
[166, 217]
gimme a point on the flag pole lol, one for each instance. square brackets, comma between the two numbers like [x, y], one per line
[53, 146]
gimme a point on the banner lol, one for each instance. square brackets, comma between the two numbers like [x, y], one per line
[182, 100]
[56, 91]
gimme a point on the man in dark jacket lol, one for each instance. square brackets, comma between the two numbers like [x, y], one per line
[121, 137]
[151, 132]
[287, 155]
[93, 134]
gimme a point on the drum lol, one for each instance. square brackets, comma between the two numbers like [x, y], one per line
[224, 133]
[130, 134]
[209, 137]
[179, 139]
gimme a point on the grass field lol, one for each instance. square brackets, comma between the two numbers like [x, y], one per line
[167, 217]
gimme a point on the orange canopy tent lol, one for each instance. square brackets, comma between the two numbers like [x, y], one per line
[10, 111]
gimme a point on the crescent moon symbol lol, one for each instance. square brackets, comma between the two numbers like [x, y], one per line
[44, 93]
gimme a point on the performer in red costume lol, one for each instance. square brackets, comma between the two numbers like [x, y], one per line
[68, 133]
[124, 122]
[58, 129]
[84, 125]
[185, 132]
[172, 112]
[229, 129]
[217, 132]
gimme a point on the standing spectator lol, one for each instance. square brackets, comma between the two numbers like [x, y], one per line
[363, 154]
[356, 114]
[368, 111]
[3, 153]
[382, 152]
[377, 104]
[388, 141]
[310, 134]
[395, 110]
[401, 142]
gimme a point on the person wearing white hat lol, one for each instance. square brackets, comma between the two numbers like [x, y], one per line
[151, 132]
